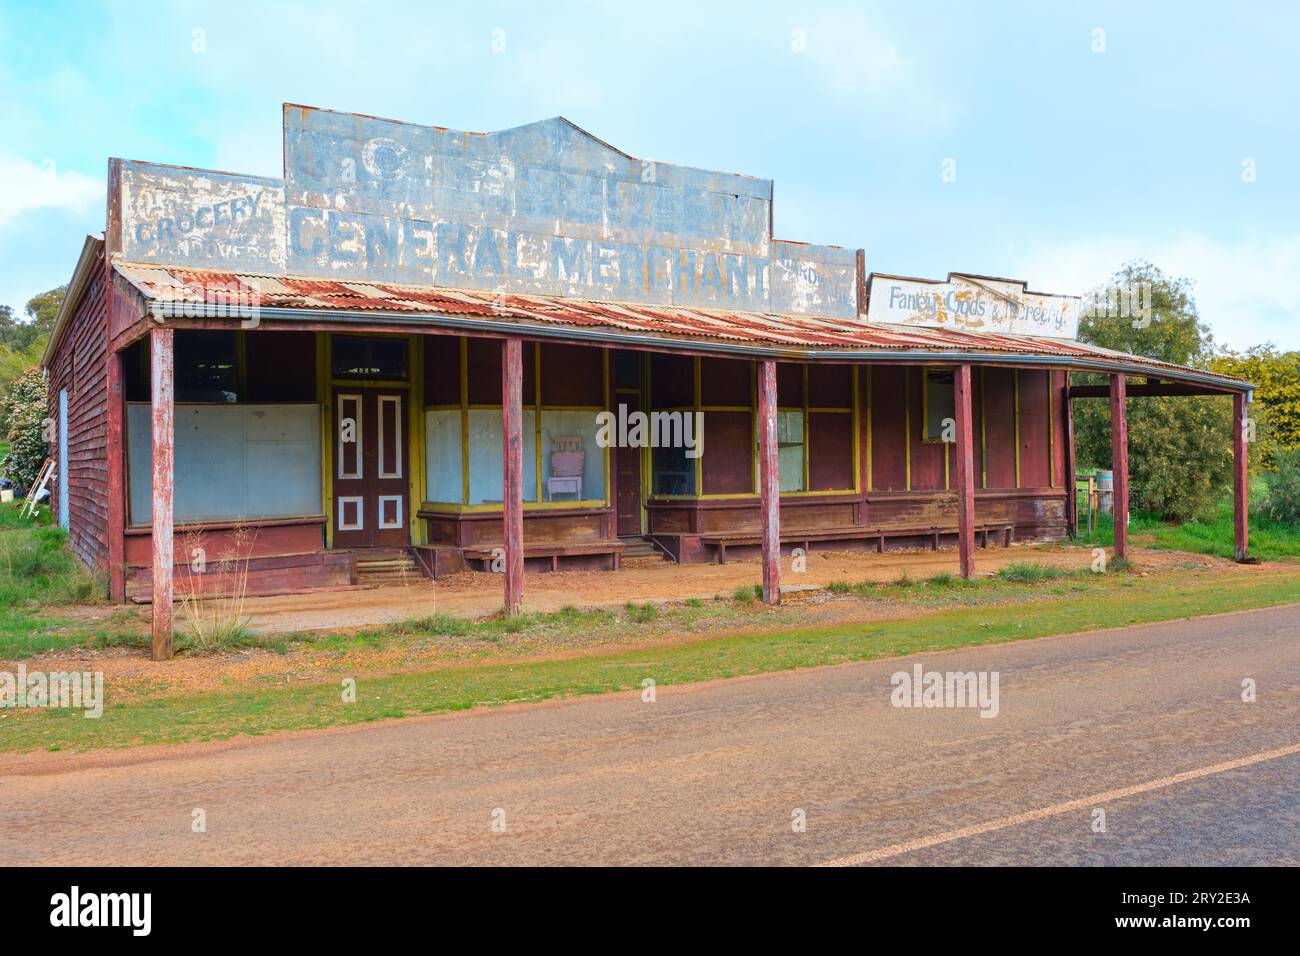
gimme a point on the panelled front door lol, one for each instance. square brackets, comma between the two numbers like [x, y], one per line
[371, 485]
[627, 467]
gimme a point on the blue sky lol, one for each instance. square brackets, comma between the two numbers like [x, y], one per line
[1068, 161]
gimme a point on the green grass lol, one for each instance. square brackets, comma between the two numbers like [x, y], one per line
[1110, 601]
[1269, 540]
[36, 565]
[1029, 572]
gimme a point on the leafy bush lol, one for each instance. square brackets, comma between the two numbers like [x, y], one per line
[1282, 503]
[24, 408]
[1180, 448]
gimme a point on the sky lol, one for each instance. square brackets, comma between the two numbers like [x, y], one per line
[1044, 142]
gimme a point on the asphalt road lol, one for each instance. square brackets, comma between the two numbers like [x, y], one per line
[1146, 723]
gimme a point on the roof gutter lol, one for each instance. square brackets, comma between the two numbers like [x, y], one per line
[631, 339]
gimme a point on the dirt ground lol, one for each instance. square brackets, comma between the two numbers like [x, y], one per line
[132, 675]
[476, 594]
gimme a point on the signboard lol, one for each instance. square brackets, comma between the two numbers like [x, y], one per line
[543, 208]
[973, 303]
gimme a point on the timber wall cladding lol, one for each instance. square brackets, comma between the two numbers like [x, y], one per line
[79, 365]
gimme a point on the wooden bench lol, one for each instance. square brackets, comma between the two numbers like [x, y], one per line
[484, 552]
[722, 540]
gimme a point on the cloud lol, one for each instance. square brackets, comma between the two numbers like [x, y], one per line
[26, 186]
[852, 58]
[1245, 291]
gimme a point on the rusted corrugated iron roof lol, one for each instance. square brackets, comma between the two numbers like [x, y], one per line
[673, 325]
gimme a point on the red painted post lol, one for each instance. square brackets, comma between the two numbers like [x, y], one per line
[769, 481]
[160, 348]
[512, 509]
[1071, 495]
[965, 472]
[115, 485]
[1240, 486]
[1119, 460]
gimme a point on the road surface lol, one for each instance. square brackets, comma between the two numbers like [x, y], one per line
[1146, 724]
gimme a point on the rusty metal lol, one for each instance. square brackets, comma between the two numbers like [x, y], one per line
[162, 375]
[512, 509]
[675, 327]
[965, 471]
[1119, 461]
[769, 480]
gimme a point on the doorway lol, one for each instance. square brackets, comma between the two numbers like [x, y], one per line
[371, 484]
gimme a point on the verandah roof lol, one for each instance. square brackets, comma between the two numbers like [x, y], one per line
[786, 336]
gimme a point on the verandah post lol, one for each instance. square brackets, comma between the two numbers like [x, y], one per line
[769, 481]
[512, 507]
[1119, 460]
[1240, 485]
[965, 473]
[162, 438]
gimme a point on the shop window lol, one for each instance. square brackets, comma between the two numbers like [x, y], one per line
[940, 407]
[206, 366]
[790, 449]
[673, 472]
[370, 359]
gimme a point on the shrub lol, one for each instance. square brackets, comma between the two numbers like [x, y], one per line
[24, 409]
[1282, 503]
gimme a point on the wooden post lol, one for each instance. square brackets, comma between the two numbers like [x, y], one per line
[1119, 460]
[512, 508]
[1240, 485]
[1071, 493]
[115, 484]
[769, 481]
[965, 472]
[161, 396]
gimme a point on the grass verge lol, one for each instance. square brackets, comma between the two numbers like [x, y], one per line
[1115, 601]
[1269, 540]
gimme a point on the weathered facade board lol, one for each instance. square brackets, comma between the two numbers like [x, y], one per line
[448, 316]
[544, 208]
[972, 303]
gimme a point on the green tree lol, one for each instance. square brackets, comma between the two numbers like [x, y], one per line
[23, 341]
[1276, 410]
[24, 409]
[1180, 449]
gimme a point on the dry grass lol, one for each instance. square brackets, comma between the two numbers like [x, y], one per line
[214, 593]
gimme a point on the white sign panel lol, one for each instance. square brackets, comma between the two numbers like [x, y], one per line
[974, 304]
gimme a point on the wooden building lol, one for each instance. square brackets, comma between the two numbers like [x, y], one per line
[432, 346]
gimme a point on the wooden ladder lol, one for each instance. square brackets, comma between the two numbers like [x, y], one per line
[30, 505]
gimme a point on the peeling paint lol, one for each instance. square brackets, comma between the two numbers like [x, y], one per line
[545, 208]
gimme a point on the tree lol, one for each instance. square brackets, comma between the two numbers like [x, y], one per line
[24, 409]
[1276, 410]
[1180, 449]
[21, 335]
[23, 341]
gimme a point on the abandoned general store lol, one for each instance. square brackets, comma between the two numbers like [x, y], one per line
[411, 347]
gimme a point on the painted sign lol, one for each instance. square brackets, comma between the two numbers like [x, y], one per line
[544, 208]
[972, 302]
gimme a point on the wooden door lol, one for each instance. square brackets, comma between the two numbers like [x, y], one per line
[371, 484]
[627, 467]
